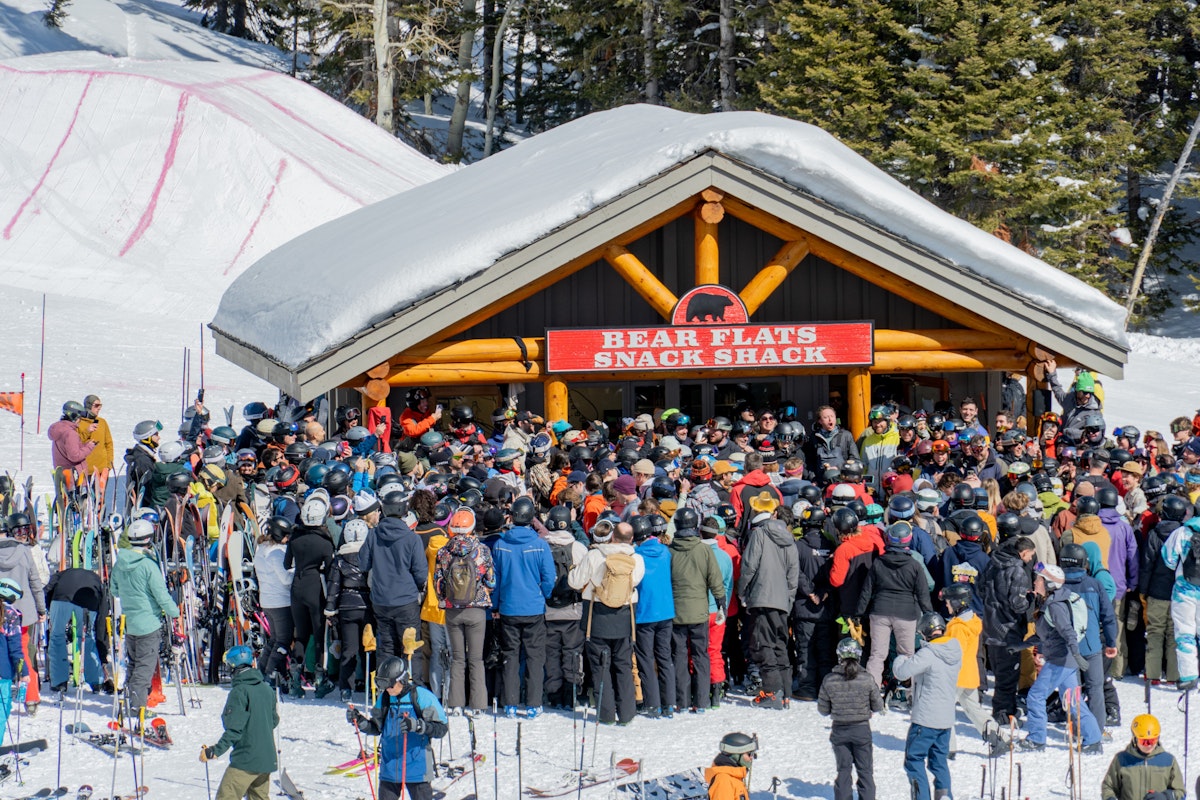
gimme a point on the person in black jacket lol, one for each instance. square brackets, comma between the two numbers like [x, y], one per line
[348, 604]
[1155, 582]
[812, 611]
[310, 553]
[394, 560]
[1005, 587]
[897, 593]
[77, 594]
[850, 696]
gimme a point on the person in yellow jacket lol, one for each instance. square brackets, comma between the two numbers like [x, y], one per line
[966, 626]
[208, 480]
[101, 458]
[432, 613]
[731, 768]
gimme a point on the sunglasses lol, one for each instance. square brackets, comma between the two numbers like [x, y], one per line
[766, 418]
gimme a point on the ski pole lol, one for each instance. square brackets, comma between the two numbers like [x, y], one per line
[207, 781]
[474, 750]
[58, 774]
[403, 760]
[775, 787]
[520, 777]
[1187, 717]
[495, 754]
[362, 750]
[983, 782]
[142, 733]
[605, 654]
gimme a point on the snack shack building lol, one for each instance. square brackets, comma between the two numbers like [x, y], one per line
[646, 258]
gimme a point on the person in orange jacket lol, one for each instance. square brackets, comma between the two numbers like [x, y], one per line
[727, 776]
[417, 418]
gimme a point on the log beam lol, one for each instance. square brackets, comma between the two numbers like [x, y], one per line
[707, 215]
[772, 276]
[950, 361]
[473, 351]
[643, 281]
[944, 339]
[858, 400]
[556, 406]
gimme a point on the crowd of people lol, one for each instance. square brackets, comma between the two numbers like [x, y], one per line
[674, 565]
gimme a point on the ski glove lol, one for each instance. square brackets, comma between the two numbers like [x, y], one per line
[356, 717]
[720, 620]
[412, 724]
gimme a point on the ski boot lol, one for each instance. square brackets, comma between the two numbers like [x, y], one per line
[767, 700]
[347, 695]
[716, 692]
[296, 687]
[323, 687]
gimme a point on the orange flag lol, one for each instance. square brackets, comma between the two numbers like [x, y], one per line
[13, 401]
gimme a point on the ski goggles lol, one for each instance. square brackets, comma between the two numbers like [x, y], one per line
[1148, 744]
[940, 446]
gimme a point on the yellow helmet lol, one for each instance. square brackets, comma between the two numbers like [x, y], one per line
[1145, 726]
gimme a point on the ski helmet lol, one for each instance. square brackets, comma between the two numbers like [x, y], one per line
[812, 517]
[849, 649]
[559, 519]
[523, 511]
[146, 429]
[10, 590]
[931, 625]
[901, 507]
[462, 415]
[845, 521]
[686, 519]
[222, 434]
[336, 481]
[179, 482]
[355, 530]
[970, 525]
[286, 478]
[662, 488]
[1073, 556]
[1174, 508]
[255, 411]
[1008, 525]
[316, 474]
[414, 396]
[811, 493]
[392, 670]
[140, 533]
[1145, 728]
[642, 529]
[172, 451]
[279, 528]
[963, 496]
[212, 476]
[658, 524]
[1052, 575]
[1107, 496]
[742, 747]
[72, 410]
[239, 657]
[315, 510]
[1086, 505]
[726, 512]
[900, 535]
[957, 597]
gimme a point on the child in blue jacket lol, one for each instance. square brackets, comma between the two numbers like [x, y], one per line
[406, 718]
[12, 661]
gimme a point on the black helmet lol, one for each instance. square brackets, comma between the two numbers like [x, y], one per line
[686, 519]
[858, 507]
[336, 482]
[970, 525]
[787, 411]
[642, 528]
[580, 452]
[471, 498]
[462, 416]
[179, 482]
[1008, 525]
[414, 396]
[1107, 497]
[1174, 508]
[1043, 483]
[906, 422]
[73, 410]
[725, 511]
[845, 521]
[853, 468]
[388, 478]
[662, 488]
[931, 625]
[957, 597]
[658, 524]
[1087, 505]
[1154, 486]
[559, 518]
[279, 528]
[255, 411]
[740, 428]
[296, 451]
[282, 430]
[523, 511]
[1073, 556]
[963, 496]
[391, 670]
[1118, 457]
[811, 493]
[627, 457]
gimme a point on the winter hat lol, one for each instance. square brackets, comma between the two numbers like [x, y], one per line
[874, 513]
[406, 462]
[366, 503]
[462, 521]
[670, 444]
[644, 422]
[766, 448]
[626, 484]
[701, 470]
[493, 521]
[643, 467]
[90, 401]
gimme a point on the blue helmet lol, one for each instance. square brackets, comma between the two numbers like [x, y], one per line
[239, 656]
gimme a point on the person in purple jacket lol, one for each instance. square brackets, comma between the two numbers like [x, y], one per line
[1122, 563]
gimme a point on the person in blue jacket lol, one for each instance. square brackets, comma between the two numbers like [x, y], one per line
[406, 718]
[1100, 641]
[654, 618]
[965, 560]
[525, 577]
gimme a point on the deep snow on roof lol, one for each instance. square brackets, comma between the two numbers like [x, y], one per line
[459, 225]
[156, 183]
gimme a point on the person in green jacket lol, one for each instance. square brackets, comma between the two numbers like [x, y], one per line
[250, 718]
[694, 574]
[1143, 770]
[138, 582]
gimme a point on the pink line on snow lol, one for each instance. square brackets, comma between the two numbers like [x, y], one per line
[168, 162]
[266, 204]
[57, 151]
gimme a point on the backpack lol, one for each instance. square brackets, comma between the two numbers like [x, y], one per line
[616, 588]
[1079, 616]
[462, 580]
[562, 595]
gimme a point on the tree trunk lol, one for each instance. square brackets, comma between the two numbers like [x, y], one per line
[512, 8]
[239, 19]
[1133, 198]
[221, 18]
[519, 73]
[489, 39]
[725, 57]
[462, 100]
[649, 45]
[385, 75]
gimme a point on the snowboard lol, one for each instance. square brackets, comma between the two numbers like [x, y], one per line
[686, 785]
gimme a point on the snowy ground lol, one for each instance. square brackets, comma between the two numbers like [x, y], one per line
[794, 747]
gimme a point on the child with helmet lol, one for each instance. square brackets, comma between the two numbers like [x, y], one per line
[1143, 770]
[849, 695]
[727, 776]
[250, 718]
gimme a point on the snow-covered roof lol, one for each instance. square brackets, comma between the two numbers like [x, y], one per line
[158, 182]
[411, 247]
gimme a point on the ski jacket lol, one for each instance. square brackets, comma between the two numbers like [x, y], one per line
[751, 483]
[1052, 504]
[992, 467]
[157, 493]
[1123, 555]
[17, 562]
[310, 553]
[414, 423]
[346, 588]
[703, 499]
[812, 558]
[726, 780]
[524, 573]
[694, 574]
[833, 447]
[725, 564]
[878, 449]
[1033, 527]
[101, 457]
[934, 672]
[67, 449]
[1132, 774]
[274, 580]
[1089, 528]
[966, 629]
[847, 701]
[770, 567]
[12, 659]
[249, 718]
[1056, 630]
[79, 586]
[394, 560]
[656, 600]
[896, 583]
[1155, 578]
[1003, 588]
[1072, 416]
[431, 606]
[965, 563]
[849, 566]
[590, 572]
[139, 462]
[466, 544]
[138, 583]
[406, 756]
[1102, 622]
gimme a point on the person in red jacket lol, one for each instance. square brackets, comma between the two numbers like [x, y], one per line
[417, 418]
[752, 483]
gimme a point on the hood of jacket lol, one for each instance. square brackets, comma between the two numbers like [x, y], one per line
[1052, 503]
[11, 553]
[1089, 525]
[351, 548]
[652, 550]
[248, 677]
[462, 544]
[1109, 516]
[519, 534]
[134, 555]
[754, 478]
[1095, 558]
[685, 544]
[559, 537]
[391, 529]
[946, 649]
[778, 532]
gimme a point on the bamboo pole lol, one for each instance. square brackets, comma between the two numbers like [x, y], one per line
[858, 399]
[772, 276]
[643, 281]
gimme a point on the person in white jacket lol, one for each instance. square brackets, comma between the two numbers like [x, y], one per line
[275, 597]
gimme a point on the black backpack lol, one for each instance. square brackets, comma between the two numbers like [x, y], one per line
[562, 595]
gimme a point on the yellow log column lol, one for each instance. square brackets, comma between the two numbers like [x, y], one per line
[858, 400]
[556, 399]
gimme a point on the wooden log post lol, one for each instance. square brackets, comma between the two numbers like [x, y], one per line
[858, 400]
[643, 281]
[556, 399]
[708, 214]
[770, 277]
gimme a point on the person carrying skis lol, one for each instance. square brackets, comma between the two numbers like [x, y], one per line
[406, 717]
[250, 718]
[849, 695]
[934, 673]
[138, 582]
[1143, 770]
[12, 661]
[727, 776]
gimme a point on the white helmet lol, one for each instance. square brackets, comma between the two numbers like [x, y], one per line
[355, 531]
[315, 509]
[140, 533]
[172, 451]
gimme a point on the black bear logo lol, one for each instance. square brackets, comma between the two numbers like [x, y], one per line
[702, 304]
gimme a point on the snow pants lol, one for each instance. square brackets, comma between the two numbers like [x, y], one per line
[142, 655]
[564, 659]
[1185, 611]
[465, 628]
[29, 634]
[927, 746]
[1117, 667]
[1093, 684]
[237, 784]
[654, 664]
[716, 659]
[770, 652]
[852, 749]
[412, 791]
[611, 661]
[1064, 680]
[1160, 641]
[882, 630]
[1006, 667]
[350, 627]
[690, 649]
[62, 612]
[274, 658]
[6, 700]
[968, 701]
[526, 634]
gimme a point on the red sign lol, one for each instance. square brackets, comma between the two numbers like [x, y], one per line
[771, 346]
[710, 304]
